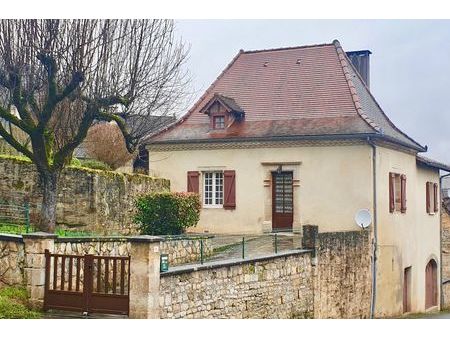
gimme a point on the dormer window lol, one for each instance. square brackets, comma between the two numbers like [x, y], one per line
[223, 112]
[219, 122]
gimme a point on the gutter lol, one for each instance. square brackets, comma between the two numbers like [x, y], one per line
[375, 228]
[440, 242]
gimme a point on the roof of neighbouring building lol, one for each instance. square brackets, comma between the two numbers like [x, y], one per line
[305, 91]
[432, 163]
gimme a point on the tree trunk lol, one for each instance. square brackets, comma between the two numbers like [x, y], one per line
[49, 184]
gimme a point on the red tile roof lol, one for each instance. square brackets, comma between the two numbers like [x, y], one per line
[298, 91]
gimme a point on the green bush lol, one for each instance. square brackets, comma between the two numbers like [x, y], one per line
[14, 304]
[94, 164]
[167, 213]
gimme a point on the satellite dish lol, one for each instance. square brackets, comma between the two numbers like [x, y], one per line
[363, 218]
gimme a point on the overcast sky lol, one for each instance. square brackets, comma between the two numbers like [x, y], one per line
[410, 64]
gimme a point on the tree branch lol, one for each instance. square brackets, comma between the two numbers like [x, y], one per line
[14, 120]
[14, 143]
[131, 147]
[68, 148]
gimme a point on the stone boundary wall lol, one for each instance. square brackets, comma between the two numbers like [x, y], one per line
[90, 200]
[271, 287]
[12, 260]
[445, 247]
[186, 250]
[332, 279]
[343, 275]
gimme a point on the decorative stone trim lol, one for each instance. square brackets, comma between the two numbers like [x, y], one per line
[231, 144]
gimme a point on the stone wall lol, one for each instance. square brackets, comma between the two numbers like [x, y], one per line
[12, 262]
[182, 251]
[90, 200]
[445, 243]
[343, 275]
[272, 287]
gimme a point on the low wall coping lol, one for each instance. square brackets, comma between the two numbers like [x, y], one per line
[40, 235]
[225, 263]
[91, 239]
[144, 239]
[11, 238]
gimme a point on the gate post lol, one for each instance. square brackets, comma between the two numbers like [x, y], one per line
[144, 276]
[35, 245]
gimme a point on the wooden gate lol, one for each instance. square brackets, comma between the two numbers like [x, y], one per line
[91, 284]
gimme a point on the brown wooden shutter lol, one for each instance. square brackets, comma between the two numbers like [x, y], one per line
[391, 193]
[436, 202]
[229, 178]
[193, 181]
[428, 198]
[403, 193]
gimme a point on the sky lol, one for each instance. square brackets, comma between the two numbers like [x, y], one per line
[410, 63]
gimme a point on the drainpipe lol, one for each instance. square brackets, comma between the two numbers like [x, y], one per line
[375, 234]
[440, 241]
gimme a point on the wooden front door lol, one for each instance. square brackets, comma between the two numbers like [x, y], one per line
[431, 284]
[407, 290]
[282, 201]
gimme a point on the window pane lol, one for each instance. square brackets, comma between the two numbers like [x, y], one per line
[208, 188]
[219, 188]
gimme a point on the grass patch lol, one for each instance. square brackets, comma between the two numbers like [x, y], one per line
[74, 233]
[15, 229]
[14, 304]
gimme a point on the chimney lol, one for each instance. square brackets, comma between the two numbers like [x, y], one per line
[361, 62]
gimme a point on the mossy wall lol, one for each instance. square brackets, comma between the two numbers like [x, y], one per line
[91, 200]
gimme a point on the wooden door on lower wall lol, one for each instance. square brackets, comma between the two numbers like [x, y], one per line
[407, 290]
[282, 201]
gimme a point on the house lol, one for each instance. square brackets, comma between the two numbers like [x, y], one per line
[293, 136]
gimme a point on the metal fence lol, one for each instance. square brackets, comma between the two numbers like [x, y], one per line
[15, 218]
[193, 250]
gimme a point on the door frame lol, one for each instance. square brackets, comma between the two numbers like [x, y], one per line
[287, 228]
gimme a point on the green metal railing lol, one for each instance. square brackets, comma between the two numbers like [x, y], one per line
[15, 218]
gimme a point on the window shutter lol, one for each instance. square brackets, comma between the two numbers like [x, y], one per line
[391, 193]
[436, 204]
[403, 193]
[428, 198]
[193, 181]
[229, 177]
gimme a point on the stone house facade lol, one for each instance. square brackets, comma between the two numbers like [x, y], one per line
[293, 136]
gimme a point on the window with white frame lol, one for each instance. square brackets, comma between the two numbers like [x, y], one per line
[213, 189]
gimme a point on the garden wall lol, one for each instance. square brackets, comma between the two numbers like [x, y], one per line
[343, 275]
[273, 287]
[330, 280]
[12, 260]
[89, 200]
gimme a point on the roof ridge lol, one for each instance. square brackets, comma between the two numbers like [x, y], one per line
[197, 103]
[336, 42]
[354, 94]
[285, 48]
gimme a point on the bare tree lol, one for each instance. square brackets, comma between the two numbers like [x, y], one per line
[104, 142]
[62, 75]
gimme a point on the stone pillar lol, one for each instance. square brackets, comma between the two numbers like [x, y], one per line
[144, 276]
[35, 245]
[309, 239]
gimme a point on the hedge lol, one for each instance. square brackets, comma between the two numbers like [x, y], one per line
[167, 213]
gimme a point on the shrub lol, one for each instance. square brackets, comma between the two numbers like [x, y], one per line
[14, 304]
[167, 213]
[94, 164]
